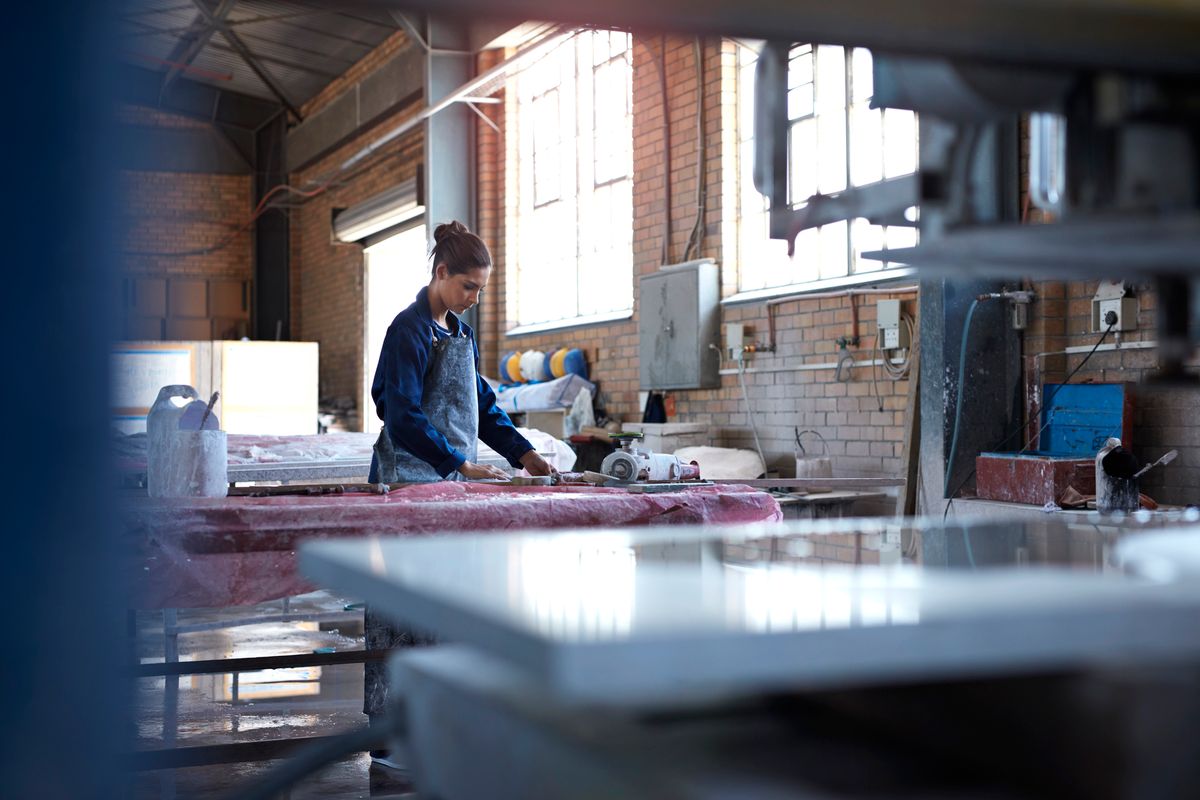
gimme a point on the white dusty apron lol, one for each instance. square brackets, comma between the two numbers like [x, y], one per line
[450, 400]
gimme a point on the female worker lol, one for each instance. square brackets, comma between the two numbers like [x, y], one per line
[427, 389]
[435, 406]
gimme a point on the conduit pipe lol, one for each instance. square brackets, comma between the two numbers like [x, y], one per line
[479, 85]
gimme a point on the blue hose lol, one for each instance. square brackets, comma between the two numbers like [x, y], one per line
[958, 404]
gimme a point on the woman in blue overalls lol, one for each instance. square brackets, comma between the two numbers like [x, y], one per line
[435, 406]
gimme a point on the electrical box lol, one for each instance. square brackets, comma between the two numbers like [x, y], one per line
[1126, 309]
[892, 335]
[1110, 298]
[678, 327]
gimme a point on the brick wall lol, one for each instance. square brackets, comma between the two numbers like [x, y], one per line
[327, 276]
[792, 387]
[171, 212]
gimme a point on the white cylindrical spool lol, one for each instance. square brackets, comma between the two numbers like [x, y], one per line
[196, 465]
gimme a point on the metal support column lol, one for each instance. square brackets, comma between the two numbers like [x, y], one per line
[989, 389]
[271, 317]
[450, 157]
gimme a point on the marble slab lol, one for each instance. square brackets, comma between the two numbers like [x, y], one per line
[656, 616]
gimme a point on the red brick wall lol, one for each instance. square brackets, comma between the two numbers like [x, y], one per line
[863, 440]
[172, 212]
[326, 275]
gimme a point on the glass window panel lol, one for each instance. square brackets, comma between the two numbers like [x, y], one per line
[619, 42]
[806, 263]
[862, 78]
[800, 101]
[564, 267]
[866, 145]
[866, 238]
[800, 69]
[899, 142]
[843, 144]
[898, 236]
[834, 260]
[547, 161]
[803, 156]
[831, 79]
[831, 152]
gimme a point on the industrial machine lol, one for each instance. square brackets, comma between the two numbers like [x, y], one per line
[631, 463]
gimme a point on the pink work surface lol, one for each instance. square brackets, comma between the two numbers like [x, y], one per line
[216, 552]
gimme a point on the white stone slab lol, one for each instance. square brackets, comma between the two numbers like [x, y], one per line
[667, 615]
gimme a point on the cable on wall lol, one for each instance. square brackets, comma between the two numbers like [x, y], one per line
[696, 238]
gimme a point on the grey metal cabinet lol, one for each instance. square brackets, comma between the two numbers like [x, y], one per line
[678, 320]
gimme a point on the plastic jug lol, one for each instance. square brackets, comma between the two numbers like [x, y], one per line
[184, 463]
[163, 418]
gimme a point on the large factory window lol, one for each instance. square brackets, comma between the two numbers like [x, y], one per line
[572, 222]
[835, 141]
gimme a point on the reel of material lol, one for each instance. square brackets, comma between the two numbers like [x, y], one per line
[574, 362]
[621, 466]
[557, 363]
[532, 365]
[510, 368]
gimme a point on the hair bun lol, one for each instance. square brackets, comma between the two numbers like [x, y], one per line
[454, 228]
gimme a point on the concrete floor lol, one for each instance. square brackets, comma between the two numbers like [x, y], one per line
[311, 701]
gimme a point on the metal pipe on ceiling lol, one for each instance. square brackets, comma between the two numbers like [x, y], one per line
[482, 84]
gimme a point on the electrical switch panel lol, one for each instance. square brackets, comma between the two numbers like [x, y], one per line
[892, 334]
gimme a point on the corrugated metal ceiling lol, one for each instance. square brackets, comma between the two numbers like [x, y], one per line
[301, 46]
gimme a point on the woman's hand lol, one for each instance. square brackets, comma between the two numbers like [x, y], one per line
[536, 465]
[478, 472]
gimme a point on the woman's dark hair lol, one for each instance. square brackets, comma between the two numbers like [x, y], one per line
[459, 249]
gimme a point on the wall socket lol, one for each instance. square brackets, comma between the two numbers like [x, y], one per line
[1126, 309]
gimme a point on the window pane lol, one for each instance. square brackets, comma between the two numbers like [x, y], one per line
[899, 142]
[606, 276]
[898, 236]
[866, 238]
[834, 260]
[866, 145]
[547, 156]
[802, 154]
[800, 68]
[807, 261]
[831, 79]
[831, 152]
[613, 155]
[862, 78]
[800, 101]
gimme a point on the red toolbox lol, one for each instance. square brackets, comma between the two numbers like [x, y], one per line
[1075, 422]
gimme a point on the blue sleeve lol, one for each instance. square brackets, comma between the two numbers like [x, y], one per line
[397, 390]
[495, 428]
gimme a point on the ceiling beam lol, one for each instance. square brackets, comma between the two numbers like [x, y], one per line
[251, 60]
[195, 40]
[189, 98]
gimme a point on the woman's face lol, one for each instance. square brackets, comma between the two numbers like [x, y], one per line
[460, 292]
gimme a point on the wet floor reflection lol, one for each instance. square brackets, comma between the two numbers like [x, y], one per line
[254, 706]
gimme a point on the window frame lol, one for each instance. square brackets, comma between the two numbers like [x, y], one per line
[580, 199]
[739, 144]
